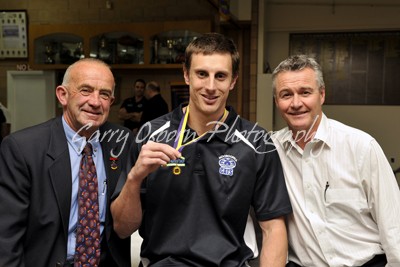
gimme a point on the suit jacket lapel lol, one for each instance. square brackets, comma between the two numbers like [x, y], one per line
[60, 171]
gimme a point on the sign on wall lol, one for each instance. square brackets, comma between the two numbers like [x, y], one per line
[360, 68]
[14, 36]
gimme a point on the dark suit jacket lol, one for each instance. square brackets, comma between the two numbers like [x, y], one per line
[35, 195]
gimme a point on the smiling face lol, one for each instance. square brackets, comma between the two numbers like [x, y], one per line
[210, 79]
[299, 99]
[86, 96]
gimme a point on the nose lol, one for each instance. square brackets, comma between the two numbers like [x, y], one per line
[210, 83]
[296, 101]
[94, 99]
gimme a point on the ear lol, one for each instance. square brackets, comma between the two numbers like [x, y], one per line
[186, 75]
[112, 100]
[275, 100]
[322, 95]
[62, 95]
[233, 83]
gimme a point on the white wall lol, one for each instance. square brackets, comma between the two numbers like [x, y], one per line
[31, 97]
[382, 122]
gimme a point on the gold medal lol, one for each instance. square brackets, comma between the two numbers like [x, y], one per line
[176, 164]
[176, 170]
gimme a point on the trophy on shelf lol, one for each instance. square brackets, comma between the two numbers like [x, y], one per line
[78, 52]
[155, 59]
[170, 46]
[104, 52]
[50, 53]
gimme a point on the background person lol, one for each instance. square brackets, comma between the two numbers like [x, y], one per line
[131, 109]
[39, 176]
[156, 105]
[194, 212]
[344, 195]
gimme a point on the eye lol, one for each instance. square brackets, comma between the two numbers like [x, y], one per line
[201, 74]
[285, 95]
[85, 91]
[105, 94]
[220, 76]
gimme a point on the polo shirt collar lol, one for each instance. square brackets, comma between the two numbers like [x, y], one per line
[225, 133]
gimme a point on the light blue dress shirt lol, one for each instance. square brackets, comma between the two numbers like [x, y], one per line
[76, 144]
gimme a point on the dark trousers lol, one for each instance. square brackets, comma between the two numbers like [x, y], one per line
[377, 261]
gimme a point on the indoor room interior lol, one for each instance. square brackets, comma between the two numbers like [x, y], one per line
[358, 40]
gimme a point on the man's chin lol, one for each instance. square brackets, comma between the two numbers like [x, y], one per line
[296, 126]
[92, 125]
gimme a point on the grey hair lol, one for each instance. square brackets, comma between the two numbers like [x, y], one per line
[296, 63]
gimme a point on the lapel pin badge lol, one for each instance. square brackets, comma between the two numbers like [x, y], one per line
[114, 165]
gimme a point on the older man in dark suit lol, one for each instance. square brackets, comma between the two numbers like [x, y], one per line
[42, 175]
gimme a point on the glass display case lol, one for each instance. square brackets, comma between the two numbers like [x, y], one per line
[117, 48]
[144, 45]
[169, 47]
[58, 48]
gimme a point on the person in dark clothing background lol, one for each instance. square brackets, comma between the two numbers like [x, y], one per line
[156, 105]
[131, 109]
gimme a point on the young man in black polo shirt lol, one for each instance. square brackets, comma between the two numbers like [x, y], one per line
[132, 108]
[199, 170]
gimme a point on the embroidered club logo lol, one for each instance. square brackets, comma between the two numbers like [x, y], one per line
[226, 164]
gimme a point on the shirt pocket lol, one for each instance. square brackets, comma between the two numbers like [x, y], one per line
[344, 207]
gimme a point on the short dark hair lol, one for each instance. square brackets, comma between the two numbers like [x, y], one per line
[210, 43]
[140, 81]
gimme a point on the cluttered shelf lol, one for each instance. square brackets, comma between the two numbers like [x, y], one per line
[152, 45]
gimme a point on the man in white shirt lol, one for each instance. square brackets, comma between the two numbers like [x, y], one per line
[345, 198]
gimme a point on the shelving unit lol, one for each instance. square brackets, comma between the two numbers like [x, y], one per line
[145, 45]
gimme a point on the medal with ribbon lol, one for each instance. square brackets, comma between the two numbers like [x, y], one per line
[114, 165]
[178, 144]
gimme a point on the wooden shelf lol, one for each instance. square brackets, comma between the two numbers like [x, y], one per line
[85, 35]
[113, 66]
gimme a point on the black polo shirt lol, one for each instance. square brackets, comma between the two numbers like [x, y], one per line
[131, 105]
[155, 107]
[198, 218]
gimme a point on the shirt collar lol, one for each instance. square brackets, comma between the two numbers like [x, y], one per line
[224, 132]
[76, 141]
[285, 136]
[322, 133]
